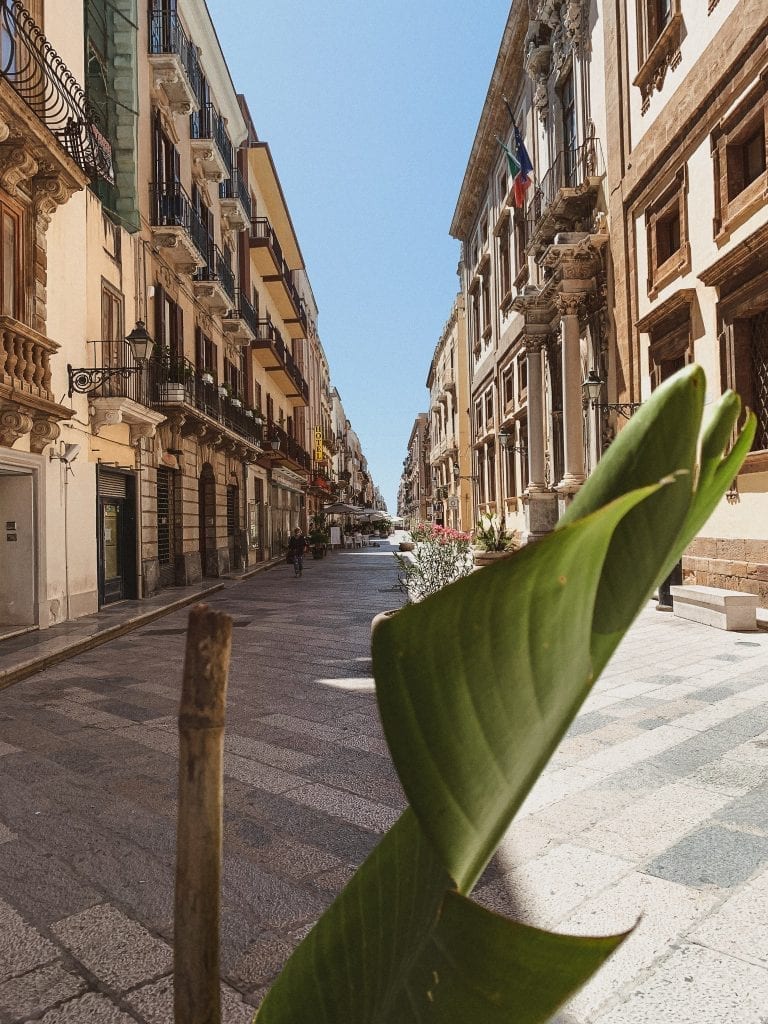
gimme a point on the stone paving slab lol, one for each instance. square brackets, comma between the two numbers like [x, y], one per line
[654, 805]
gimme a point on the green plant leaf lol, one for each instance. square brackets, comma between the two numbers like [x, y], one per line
[400, 947]
[661, 440]
[477, 684]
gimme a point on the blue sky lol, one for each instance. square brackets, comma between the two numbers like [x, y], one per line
[370, 109]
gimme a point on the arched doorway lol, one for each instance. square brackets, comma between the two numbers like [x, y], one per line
[206, 498]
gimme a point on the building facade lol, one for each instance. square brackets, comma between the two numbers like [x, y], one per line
[159, 328]
[536, 267]
[687, 109]
[414, 498]
[450, 451]
[587, 288]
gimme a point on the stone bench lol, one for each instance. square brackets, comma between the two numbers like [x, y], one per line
[714, 606]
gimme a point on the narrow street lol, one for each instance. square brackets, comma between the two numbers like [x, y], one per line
[654, 807]
[88, 795]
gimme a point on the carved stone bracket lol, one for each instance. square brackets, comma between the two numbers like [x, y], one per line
[14, 423]
[48, 193]
[538, 62]
[44, 431]
[576, 24]
[17, 165]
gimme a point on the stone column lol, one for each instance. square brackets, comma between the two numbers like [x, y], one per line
[536, 480]
[571, 306]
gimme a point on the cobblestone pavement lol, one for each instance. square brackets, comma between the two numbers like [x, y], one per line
[656, 803]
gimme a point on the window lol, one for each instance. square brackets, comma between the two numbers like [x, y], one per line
[206, 354]
[668, 327]
[668, 236]
[486, 294]
[522, 377]
[111, 314]
[489, 409]
[746, 161]
[508, 386]
[169, 327]
[666, 225]
[478, 418]
[505, 275]
[739, 158]
[568, 123]
[659, 37]
[10, 269]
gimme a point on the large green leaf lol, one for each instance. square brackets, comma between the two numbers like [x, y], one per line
[660, 440]
[400, 947]
[477, 684]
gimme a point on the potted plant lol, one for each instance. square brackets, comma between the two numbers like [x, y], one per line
[319, 537]
[492, 540]
[236, 402]
[206, 377]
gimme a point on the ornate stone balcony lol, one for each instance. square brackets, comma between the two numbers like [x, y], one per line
[27, 404]
[175, 68]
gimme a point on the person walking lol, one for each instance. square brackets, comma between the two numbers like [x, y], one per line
[297, 545]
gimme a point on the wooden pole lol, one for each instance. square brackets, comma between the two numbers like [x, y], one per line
[196, 973]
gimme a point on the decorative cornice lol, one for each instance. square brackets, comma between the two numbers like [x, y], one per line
[494, 120]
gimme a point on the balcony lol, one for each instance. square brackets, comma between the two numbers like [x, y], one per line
[211, 148]
[26, 399]
[175, 70]
[565, 197]
[177, 227]
[43, 103]
[282, 449]
[272, 353]
[142, 400]
[267, 258]
[214, 284]
[240, 323]
[235, 202]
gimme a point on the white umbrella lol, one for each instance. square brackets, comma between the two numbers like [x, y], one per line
[340, 508]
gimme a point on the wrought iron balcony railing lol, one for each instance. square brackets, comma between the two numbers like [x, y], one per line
[217, 269]
[163, 381]
[167, 35]
[268, 334]
[289, 446]
[571, 169]
[243, 310]
[234, 187]
[207, 123]
[172, 207]
[40, 77]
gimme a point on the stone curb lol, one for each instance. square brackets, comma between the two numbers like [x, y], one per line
[29, 668]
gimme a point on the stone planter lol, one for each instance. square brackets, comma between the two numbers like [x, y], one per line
[382, 616]
[489, 557]
[174, 392]
[407, 545]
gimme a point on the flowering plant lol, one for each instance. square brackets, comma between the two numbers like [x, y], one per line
[442, 555]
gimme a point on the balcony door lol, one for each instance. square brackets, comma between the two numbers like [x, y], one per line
[568, 122]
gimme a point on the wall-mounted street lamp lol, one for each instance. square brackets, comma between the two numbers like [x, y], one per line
[592, 388]
[457, 473]
[84, 381]
[505, 436]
